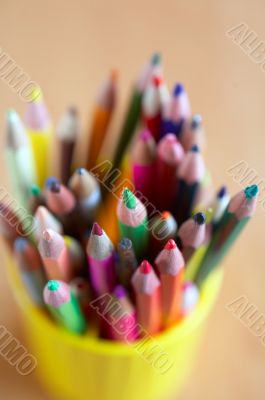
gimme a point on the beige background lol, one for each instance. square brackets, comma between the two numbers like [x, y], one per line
[68, 48]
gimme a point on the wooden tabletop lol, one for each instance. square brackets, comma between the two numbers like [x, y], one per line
[69, 48]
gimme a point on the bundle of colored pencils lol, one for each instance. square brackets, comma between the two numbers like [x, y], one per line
[166, 212]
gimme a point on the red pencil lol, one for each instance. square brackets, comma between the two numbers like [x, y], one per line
[155, 97]
[170, 264]
[148, 297]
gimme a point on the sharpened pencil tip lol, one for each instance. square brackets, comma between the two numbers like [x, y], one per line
[97, 230]
[46, 234]
[145, 267]
[156, 59]
[145, 135]
[49, 181]
[119, 292]
[195, 148]
[157, 80]
[222, 192]
[81, 171]
[53, 286]
[35, 190]
[170, 245]
[199, 218]
[178, 89]
[129, 199]
[55, 187]
[125, 243]
[251, 191]
[166, 214]
[196, 121]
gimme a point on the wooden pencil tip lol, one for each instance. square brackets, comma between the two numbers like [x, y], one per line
[170, 245]
[53, 285]
[97, 230]
[145, 267]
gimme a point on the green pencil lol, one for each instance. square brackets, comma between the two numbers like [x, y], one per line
[134, 110]
[239, 211]
[132, 217]
[64, 306]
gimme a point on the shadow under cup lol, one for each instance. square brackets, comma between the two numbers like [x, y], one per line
[84, 367]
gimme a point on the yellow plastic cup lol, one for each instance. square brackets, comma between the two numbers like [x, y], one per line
[78, 368]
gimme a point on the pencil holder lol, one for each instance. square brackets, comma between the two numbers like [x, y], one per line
[85, 367]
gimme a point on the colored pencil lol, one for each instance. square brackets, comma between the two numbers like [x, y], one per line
[190, 174]
[55, 256]
[133, 112]
[44, 220]
[101, 261]
[147, 289]
[67, 132]
[190, 298]
[170, 155]
[81, 289]
[176, 112]
[19, 158]
[191, 235]
[163, 227]
[219, 205]
[239, 211]
[192, 133]
[31, 268]
[61, 201]
[101, 119]
[38, 124]
[144, 164]
[87, 192]
[132, 218]
[127, 262]
[64, 307]
[171, 265]
[122, 317]
[155, 98]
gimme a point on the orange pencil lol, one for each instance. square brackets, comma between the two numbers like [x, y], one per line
[170, 264]
[148, 297]
[102, 116]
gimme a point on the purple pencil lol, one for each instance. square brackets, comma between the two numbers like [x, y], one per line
[101, 261]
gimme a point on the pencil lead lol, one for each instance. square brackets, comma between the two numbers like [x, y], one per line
[47, 235]
[145, 267]
[119, 292]
[157, 80]
[195, 148]
[81, 171]
[251, 191]
[55, 187]
[156, 59]
[196, 121]
[178, 90]
[222, 192]
[35, 190]
[170, 245]
[129, 199]
[49, 181]
[97, 230]
[20, 244]
[53, 285]
[145, 135]
[199, 218]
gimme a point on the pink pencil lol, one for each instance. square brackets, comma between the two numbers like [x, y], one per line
[143, 164]
[170, 153]
[170, 264]
[101, 261]
[55, 256]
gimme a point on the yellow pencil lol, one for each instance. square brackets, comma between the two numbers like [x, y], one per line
[40, 133]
